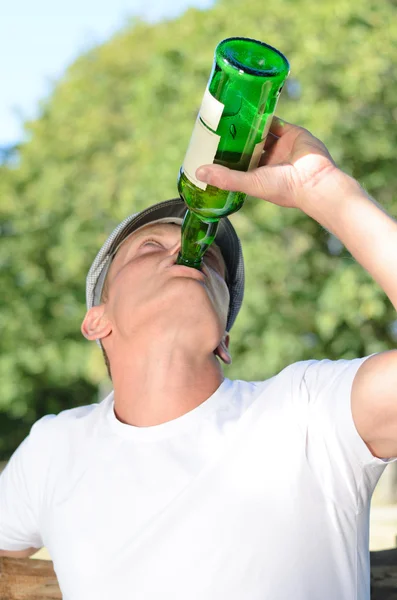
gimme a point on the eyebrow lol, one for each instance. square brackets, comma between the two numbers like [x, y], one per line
[154, 230]
[145, 232]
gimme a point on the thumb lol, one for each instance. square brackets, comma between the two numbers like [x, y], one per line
[258, 183]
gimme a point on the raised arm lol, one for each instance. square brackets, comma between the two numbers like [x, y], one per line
[297, 171]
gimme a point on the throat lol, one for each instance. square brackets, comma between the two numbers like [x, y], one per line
[148, 394]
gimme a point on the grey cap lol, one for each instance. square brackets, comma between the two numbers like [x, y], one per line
[171, 211]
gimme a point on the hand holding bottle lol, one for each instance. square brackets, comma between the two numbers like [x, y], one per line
[245, 83]
[294, 163]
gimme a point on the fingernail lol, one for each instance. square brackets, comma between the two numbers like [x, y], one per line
[203, 174]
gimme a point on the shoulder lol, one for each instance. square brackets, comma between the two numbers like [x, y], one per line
[285, 378]
[64, 418]
[279, 389]
[53, 441]
[51, 429]
[307, 379]
[321, 377]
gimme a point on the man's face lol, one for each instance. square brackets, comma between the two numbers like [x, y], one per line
[146, 291]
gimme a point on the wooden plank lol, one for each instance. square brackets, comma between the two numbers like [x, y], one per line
[27, 579]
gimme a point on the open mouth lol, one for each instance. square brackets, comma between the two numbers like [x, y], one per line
[191, 272]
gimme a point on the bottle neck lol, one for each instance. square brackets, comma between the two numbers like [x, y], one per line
[197, 236]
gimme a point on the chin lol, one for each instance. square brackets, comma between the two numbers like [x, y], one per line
[198, 318]
[186, 302]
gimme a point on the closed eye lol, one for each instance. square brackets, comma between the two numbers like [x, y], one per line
[151, 242]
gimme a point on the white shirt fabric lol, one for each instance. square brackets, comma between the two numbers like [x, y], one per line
[261, 492]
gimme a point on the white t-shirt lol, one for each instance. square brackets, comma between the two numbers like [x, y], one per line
[262, 493]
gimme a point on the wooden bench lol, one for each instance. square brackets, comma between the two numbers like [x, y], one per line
[27, 579]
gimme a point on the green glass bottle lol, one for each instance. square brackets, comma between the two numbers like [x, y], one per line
[234, 118]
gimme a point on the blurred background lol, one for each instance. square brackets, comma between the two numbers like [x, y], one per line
[97, 105]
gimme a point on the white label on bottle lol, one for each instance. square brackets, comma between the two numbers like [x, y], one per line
[256, 155]
[211, 110]
[267, 127]
[201, 151]
[258, 149]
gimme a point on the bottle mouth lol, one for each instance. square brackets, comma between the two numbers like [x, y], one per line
[252, 57]
[194, 263]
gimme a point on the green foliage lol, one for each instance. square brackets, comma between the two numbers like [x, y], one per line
[110, 140]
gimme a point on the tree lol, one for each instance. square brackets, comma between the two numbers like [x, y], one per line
[110, 140]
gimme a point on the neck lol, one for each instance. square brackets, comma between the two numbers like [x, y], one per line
[152, 386]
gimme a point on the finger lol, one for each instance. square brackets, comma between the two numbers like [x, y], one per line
[268, 149]
[279, 127]
[254, 183]
[271, 139]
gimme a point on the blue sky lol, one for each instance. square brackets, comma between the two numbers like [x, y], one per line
[39, 39]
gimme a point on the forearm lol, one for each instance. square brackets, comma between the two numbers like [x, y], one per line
[366, 230]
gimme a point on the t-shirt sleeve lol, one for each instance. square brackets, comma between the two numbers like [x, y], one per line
[335, 449]
[22, 488]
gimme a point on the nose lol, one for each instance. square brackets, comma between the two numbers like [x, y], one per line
[174, 251]
[175, 248]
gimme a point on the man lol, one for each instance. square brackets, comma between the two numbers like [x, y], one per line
[183, 484]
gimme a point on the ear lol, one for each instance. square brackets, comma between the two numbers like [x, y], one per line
[96, 324]
[223, 349]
